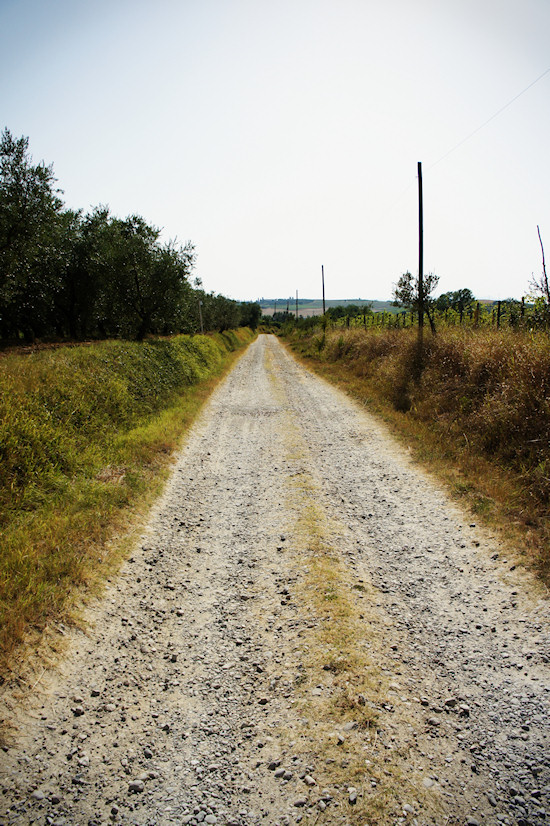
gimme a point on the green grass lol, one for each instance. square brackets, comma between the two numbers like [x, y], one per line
[86, 436]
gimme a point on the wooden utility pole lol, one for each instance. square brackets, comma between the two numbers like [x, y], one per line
[296, 305]
[323, 280]
[420, 252]
[200, 316]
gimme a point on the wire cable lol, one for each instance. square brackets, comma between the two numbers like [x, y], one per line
[467, 138]
[483, 125]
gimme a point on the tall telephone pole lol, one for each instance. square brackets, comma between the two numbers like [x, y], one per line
[296, 305]
[200, 316]
[420, 253]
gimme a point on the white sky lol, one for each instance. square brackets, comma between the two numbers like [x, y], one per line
[279, 136]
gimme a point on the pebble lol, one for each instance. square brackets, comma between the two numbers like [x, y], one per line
[194, 675]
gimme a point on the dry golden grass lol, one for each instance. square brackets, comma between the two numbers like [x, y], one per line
[477, 414]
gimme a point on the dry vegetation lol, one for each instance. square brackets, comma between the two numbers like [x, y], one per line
[342, 683]
[86, 435]
[475, 406]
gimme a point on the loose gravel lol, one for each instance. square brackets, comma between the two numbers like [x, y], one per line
[183, 701]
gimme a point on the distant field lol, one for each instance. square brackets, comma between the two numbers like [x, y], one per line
[314, 306]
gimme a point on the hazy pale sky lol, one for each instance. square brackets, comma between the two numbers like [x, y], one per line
[281, 136]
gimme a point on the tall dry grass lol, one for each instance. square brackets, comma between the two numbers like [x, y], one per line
[478, 400]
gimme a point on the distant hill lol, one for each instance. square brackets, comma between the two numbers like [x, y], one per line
[314, 306]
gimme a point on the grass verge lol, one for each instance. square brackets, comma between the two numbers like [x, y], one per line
[476, 412]
[86, 441]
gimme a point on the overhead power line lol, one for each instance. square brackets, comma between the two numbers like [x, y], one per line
[484, 124]
[467, 138]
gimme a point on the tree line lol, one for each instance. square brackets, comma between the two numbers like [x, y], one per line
[65, 274]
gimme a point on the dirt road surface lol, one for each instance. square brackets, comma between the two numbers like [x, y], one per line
[308, 631]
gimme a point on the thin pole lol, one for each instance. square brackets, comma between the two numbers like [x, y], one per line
[200, 316]
[420, 251]
[296, 305]
[323, 280]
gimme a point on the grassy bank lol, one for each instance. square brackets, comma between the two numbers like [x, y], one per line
[86, 435]
[475, 407]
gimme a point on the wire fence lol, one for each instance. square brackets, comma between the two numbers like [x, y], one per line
[518, 314]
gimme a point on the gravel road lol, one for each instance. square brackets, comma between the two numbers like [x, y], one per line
[202, 690]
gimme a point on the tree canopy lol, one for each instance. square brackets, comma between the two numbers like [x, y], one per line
[407, 294]
[65, 274]
[459, 300]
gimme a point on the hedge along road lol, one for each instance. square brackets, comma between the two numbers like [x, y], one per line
[308, 631]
